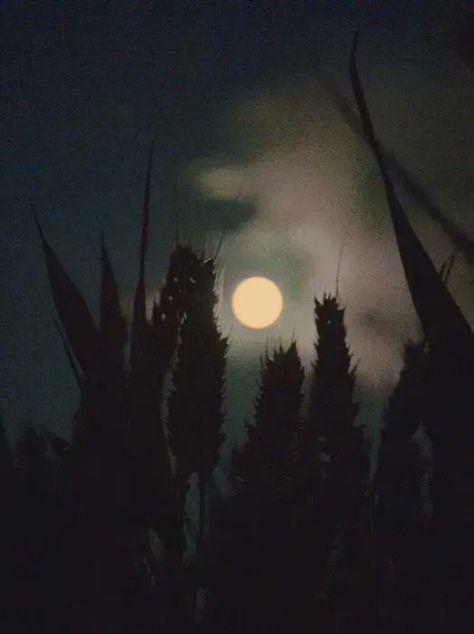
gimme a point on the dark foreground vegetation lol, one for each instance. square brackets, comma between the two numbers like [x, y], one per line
[94, 531]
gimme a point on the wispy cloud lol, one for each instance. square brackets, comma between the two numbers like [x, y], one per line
[315, 189]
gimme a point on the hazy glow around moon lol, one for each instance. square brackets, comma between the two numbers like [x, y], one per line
[257, 302]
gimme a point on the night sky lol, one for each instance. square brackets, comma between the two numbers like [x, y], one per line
[249, 142]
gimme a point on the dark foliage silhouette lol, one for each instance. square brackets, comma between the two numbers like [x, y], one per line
[118, 467]
[449, 408]
[254, 562]
[400, 520]
[195, 415]
[265, 463]
[334, 459]
[330, 433]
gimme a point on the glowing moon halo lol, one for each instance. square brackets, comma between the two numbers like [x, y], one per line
[257, 302]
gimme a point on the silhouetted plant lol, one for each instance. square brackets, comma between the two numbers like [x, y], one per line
[294, 551]
[11, 568]
[112, 321]
[6, 456]
[253, 558]
[450, 344]
[265, 461]
[400, 523]
[331, 438]
[333, 462]
[399, 469]
[118, 462]
[195, 415]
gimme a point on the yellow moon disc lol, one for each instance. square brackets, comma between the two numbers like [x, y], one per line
[257, 302]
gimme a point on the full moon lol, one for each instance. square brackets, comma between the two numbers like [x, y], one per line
[257, 302]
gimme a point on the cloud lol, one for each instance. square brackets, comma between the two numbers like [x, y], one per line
[316, 189]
